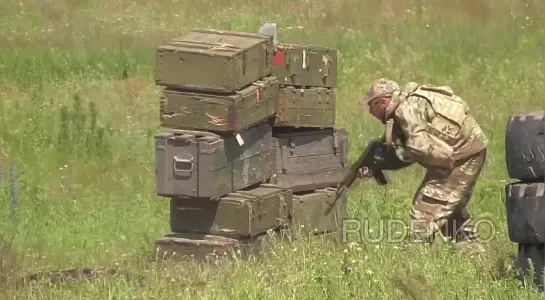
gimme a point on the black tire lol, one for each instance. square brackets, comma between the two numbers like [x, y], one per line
[531, 257]
[525, 207]
[525, 146]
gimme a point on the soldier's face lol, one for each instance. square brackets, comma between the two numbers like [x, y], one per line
[377, 108]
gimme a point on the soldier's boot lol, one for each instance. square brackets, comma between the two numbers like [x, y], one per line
[467, 241]
[465, 237]
[460, 230]
[420, 235]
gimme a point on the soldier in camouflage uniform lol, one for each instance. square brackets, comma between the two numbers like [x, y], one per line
[437, 132]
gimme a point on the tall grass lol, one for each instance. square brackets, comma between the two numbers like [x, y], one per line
[78, 110]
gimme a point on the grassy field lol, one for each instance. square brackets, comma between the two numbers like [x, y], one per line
[79, 110]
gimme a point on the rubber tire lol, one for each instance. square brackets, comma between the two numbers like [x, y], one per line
[525, 146]
[525, 207]
[536, 254]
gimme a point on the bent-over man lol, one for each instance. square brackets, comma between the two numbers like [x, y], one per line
[436, 130]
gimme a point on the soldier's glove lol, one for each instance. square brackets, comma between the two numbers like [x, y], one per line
[443, 171]
[404, 155]
[364, 172]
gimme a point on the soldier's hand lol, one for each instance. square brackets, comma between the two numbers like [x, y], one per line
[443, 171]
[364, 172]
[403, 155]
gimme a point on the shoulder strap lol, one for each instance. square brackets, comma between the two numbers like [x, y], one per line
[444, 90]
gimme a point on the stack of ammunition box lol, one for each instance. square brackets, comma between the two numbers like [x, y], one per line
[312, 154]
[247, 144]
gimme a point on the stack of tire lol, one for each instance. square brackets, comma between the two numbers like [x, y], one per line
[525, 199]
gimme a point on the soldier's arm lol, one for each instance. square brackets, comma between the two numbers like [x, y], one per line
[413, 120]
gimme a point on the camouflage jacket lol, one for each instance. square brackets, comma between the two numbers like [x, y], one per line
[437, 127]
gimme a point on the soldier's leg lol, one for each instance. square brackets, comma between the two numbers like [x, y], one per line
[441, 200]
[428, 215]
[466, 174]
[430, 208]
[467, 239]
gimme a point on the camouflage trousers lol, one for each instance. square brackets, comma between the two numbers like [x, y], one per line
[440, 203]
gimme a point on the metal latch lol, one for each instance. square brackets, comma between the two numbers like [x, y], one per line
[335, 140]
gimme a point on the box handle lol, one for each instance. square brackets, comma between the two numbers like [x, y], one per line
[290, 60]
[306, 59]
[244, 62]
[284, 158]
[268, 59]
[182, 166]
[343, 147]
[326, 63]
[335, 141]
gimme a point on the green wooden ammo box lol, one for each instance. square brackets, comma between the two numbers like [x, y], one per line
[187, 246]
[310, 107]
[213, 60]
[305, 65]
[239, 214]
[309, 159]
[219, 112]
[202, 164]
[309, 212]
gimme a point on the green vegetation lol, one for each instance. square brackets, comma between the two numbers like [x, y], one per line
[79, 110]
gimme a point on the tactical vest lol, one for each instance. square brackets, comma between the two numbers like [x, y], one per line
[448, 114]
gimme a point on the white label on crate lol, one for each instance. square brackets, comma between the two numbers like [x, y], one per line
[239, 139]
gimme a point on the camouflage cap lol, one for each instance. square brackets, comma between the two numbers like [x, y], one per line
[382, 86]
